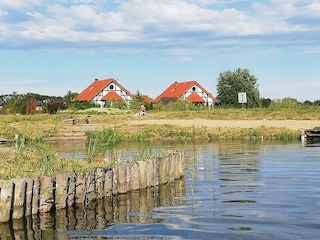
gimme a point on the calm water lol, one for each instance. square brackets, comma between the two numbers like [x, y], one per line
[231, 190]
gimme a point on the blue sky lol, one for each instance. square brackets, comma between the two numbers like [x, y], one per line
[52, 47]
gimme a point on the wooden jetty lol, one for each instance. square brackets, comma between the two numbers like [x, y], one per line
[310, 136]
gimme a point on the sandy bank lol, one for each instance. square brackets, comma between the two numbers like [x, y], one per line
[290, 124]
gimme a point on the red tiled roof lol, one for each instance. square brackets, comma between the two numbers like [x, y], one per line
[194, 97]
[176, 90]
[96, 87]
[146, 98]
[111, 95]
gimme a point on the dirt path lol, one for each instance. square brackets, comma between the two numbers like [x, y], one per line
[290, 124]
[75, 132]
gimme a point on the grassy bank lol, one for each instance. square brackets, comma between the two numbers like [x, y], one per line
[31, 155]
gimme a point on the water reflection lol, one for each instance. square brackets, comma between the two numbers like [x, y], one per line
[231, 190]
[133, 207]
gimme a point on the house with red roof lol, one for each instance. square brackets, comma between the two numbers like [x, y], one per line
[101, 91]
[190, 91]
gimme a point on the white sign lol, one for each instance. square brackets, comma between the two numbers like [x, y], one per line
[242, 97]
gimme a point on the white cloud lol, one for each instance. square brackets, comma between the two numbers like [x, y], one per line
[153, 22]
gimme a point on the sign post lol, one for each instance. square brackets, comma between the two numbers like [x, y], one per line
[242, 97]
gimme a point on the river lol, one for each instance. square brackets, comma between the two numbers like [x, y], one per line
[231, 190]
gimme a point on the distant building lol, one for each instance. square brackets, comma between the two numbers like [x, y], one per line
[101, 91]
[190, 91]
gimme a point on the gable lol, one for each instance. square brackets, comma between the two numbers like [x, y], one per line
[92, 90]
[195, 98]
[97, 87]
[111, 95]
[175, 90]
[180, 90]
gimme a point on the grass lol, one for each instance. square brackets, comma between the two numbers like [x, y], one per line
[31, 155]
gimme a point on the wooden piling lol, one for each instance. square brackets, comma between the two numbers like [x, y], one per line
[61, 189]
[71, 190]
[80, 187]
[100, 178]
[123, 178]
[142, 174]
[6, 195]
[24, 197]
[29, 196]
[91, 192]
[46, 194]
[134, 176]
[19, 194]
[35, 196]
[108, 182]
[149, 172]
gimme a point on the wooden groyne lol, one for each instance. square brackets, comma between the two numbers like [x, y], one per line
[24, 197]
[310, 136]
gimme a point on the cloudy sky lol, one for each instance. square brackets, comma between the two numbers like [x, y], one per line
[52, 47]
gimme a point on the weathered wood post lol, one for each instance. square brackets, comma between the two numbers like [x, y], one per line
[80, 187]
[134, 176]
[91, 192]
[100, 178]
[108, 183]
[29, 196]
[35, 195]
[71, 190]
[61, 192]
[163, 170]
[46, 194]
[143, 174]
[6, 198]
[19, 198]
[115, 176]
[123, 178]
[149, 173]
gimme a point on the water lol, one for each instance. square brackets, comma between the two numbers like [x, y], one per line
[231, 190]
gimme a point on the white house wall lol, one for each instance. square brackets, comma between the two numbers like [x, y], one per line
[118, 90]
[201, 93]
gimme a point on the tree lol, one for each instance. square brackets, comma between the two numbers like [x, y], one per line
[230, 83]
[31, 106]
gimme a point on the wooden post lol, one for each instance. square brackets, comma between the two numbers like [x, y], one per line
[150, 174]
[100, 178]
[91, 193]
[123, 178]
[35, 196]
[142, 174]
[108, 183]
[6, 198]
[115, 180]
[29, 196]
[19, 198]
[156, 168]
[46, 194]
[134, 176]
[62, 184]
[71, 190]
[163, 170]
[80, 187]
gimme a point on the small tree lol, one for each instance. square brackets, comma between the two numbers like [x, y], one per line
[31, 106]
[230, 83]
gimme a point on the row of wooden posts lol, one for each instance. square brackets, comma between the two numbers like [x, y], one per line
[24, 197]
